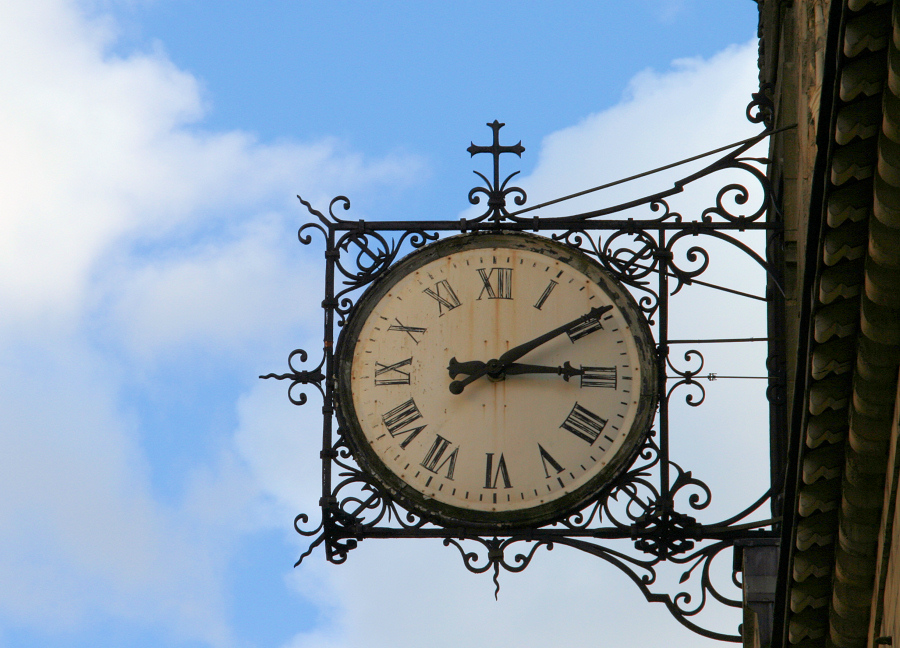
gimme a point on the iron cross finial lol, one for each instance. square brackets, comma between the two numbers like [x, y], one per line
[496, 150]
[497, 192]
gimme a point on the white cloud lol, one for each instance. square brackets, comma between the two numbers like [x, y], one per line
[235, 294]
[102, 151]
[664, 117]
[124, 226]
[280, 443]
[82, 534]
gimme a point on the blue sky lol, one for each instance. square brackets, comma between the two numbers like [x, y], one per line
[152, 153]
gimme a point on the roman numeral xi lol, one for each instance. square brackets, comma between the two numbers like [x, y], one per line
[444, 295]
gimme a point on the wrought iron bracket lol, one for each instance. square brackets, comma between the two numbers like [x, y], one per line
[648, 517]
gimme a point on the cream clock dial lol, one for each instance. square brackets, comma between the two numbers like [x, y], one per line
[495, 380]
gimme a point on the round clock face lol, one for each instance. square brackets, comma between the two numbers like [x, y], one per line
[495, 380]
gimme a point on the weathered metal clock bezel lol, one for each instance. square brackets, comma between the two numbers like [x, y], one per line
[563, 504]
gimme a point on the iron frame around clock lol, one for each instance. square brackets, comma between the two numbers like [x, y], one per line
[490, 521]
[641, 254]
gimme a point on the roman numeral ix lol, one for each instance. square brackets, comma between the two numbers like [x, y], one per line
[395, 375]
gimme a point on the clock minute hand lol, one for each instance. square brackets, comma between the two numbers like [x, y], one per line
[518, 351]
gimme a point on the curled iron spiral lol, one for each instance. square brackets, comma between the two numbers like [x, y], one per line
[300, 377]
[687, 377]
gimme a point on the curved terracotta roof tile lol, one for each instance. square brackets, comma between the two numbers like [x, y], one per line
[864, 76]
[813, 563]
[868, 31]
[840, 281]
[851, 202]
[828, 427]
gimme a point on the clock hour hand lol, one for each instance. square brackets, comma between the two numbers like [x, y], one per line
[566, 371]
[475, 370]
[514, 369]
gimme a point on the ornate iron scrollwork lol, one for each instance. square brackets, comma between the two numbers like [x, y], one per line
[651, 511]
[300, 377]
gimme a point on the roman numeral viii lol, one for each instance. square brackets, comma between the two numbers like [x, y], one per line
[392, 374]
[497, 283]
[401, 417]
[444, 295]
[584, 424]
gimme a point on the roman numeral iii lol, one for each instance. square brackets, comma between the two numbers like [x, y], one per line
[603, 377]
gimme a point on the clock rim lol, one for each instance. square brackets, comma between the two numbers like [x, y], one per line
[564, 504]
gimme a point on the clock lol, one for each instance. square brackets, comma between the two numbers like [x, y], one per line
[495, 380]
